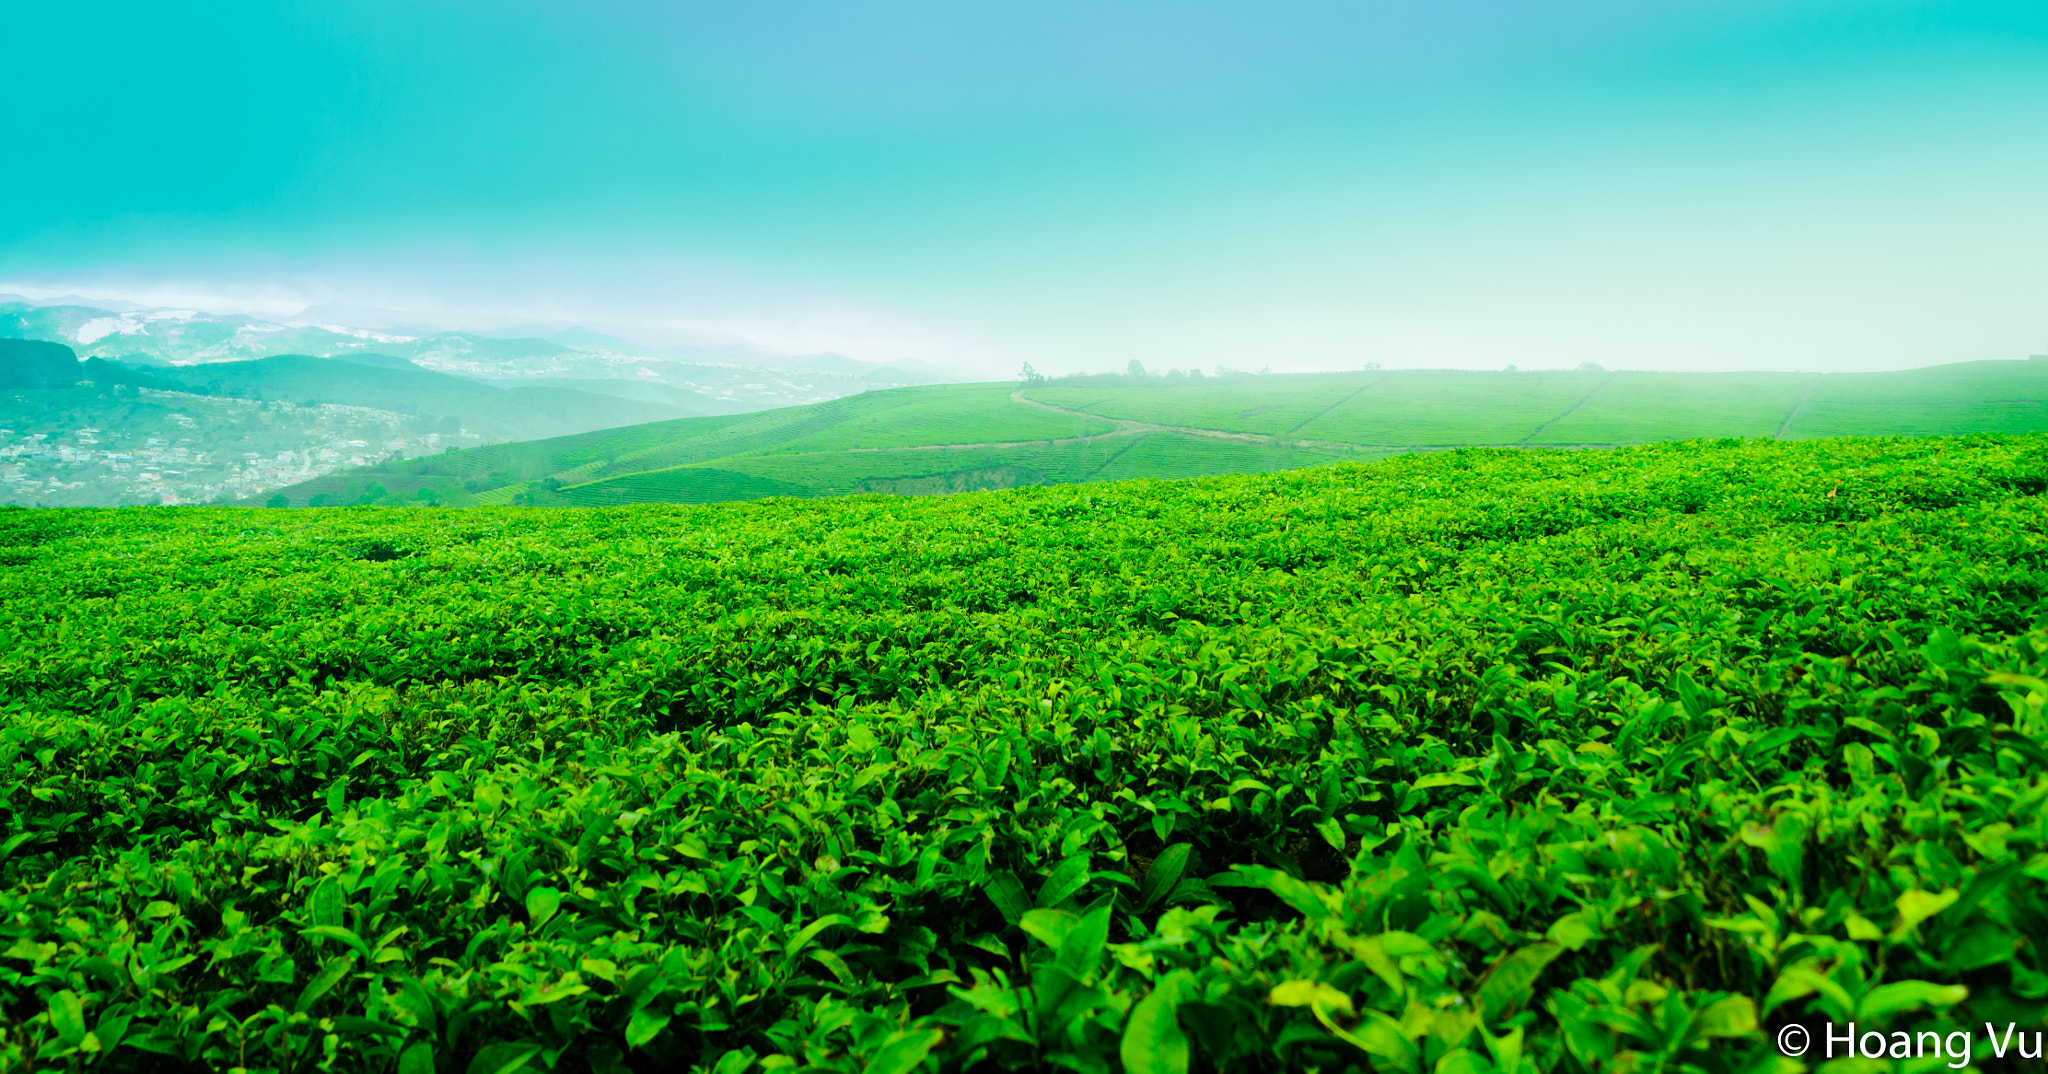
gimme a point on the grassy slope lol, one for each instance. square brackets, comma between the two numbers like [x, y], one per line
[1438, 408]
[840, 472]
[947, 414]
[683, 484]
[458, 475]
[1169, 455]
[1270, 405]
[834, 446]
[974, 436]
[1969, 397]
[1548, 743]
[1638, 407]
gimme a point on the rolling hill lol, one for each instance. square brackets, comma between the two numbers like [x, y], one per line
[965, 437]
[105, 433]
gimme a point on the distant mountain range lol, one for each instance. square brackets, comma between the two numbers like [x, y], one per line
[735, 378]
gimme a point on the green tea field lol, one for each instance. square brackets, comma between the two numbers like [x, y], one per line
[964, 437]
[1466, 761]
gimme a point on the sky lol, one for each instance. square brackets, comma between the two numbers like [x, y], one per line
[1294, 184]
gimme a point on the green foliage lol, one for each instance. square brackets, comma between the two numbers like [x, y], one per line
[30, 363]
[946, 414]
[1445, 407]
[1469, 761]
[845, 472]
[682, 484]
[832, 447]
[1634, 407]
[1167, 455]
[1968, 397]
[972, 437]
[1246, 404]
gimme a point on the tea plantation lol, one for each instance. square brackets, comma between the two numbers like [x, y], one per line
[1485, 760]
[972, 437]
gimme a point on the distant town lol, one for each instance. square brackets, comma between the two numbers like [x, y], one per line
[174, 448]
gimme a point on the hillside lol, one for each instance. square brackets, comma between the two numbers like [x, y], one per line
[27, 363]
[954, 438]
[1488, 762]
[102, 433]
[389, 383]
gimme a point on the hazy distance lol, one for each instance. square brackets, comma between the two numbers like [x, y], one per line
[1816, 185]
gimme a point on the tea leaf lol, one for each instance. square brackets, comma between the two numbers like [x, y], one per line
[1153, 1042]
[1164, 873]
[541, 905]
[904, 1052]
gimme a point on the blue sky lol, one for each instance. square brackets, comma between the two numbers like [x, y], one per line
[1810, 184]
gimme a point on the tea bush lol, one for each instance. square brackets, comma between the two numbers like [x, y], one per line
[1477, 761]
